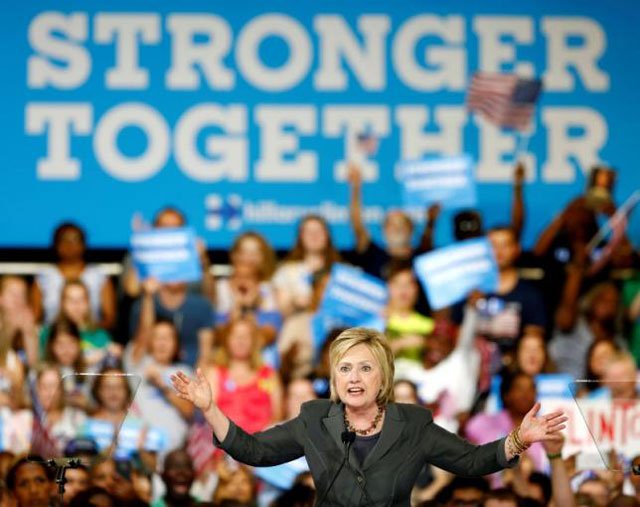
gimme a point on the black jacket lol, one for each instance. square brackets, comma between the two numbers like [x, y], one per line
[409, 439]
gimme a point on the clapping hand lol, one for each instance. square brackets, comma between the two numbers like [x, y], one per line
[197, 390]
[542, 428]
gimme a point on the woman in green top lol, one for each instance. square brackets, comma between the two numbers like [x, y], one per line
[75, 306]
[405, 328]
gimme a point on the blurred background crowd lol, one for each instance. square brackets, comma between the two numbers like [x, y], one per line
[85, 357]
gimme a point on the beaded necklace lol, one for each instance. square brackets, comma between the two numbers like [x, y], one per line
[368, 430]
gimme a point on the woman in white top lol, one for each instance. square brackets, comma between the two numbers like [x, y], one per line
[69, 245]
[313, 251]
[154, 358]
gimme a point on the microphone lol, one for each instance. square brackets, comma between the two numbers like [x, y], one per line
[347, 437]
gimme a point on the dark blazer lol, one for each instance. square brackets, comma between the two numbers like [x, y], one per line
[409, 439]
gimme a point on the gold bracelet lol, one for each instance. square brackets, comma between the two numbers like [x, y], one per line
[526, 446]
[517, 446]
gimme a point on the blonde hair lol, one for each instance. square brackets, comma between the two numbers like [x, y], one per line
[377, 343]
[222, 357]
[88, 324]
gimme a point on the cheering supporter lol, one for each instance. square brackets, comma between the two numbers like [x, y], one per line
[113, 395]
[114, 480]
[191, 314]
[244, 295]
[17, 320]
[397, 231]
[78, 481]
[178, 476]
[518, 395]
[59, 420]
[448, 351]
[75, 306]
[620, 377]
[253, 248]
[69, 246]
[599, 354]
[242, 385]
[302, 334]
[514, 305]
[467, 223]
[406, 329]
[236, 484]
[313, 251]
[153, 358]
[579, 323]
[531, 355]
[12, 370]
[30, 482]
[64, 350]
[168, 218]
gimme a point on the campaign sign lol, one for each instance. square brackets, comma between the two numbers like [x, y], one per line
[169, 255]
[444, 180]
[352, 297]
[448, 274]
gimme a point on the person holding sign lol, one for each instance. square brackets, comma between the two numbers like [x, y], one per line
[362, 448]
[168, 218]
[514, 304]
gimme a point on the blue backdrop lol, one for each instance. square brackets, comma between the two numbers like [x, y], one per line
[243, 113]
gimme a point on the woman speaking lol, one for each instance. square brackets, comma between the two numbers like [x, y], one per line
[361, 447]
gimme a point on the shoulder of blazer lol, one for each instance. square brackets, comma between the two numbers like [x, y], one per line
[410, 412]
[315, 409]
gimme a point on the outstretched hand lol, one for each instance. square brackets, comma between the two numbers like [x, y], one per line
[542, 428]
[197, 390]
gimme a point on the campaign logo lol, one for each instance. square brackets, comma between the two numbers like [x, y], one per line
[223, 211]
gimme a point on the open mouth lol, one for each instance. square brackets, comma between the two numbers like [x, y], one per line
[355, 391]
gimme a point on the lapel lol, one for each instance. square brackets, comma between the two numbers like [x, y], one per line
[334, 422]
[393, 426]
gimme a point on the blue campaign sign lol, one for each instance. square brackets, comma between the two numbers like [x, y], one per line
[444, 180]
[169, 255]
[449, 274]
[246, 114]
[352, 297]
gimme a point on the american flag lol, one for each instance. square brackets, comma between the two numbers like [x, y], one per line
[42, 442]
[504, 99]
[200, 444]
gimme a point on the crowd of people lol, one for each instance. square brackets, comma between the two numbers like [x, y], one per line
[85, 359]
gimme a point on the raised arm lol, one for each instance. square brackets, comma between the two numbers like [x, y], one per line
[560, 480]
[146, 319]
[453, 454]
[548, 235]
[517, 205]
[568, 308]
[274, 446]
[467, 332]
[426, 240]
[355, 210]
[108, 305]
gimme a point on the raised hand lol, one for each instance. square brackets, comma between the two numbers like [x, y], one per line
[197, 390]
[519, 174]
[354, 175]
[541, 428]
